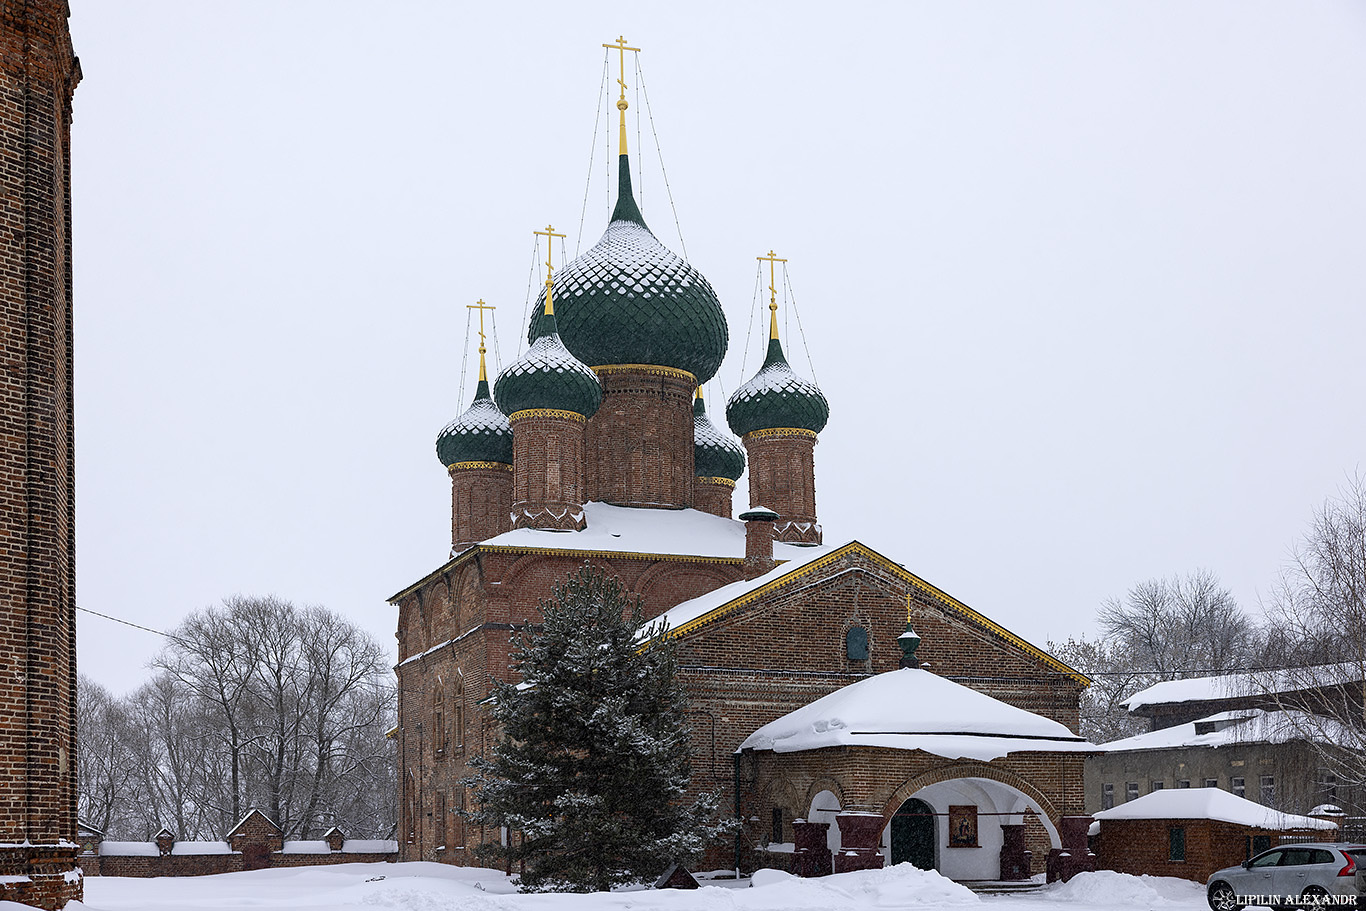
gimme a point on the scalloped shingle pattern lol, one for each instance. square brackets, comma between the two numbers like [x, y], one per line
[481, 434]
[631, 300]
[716, 454]
[777, 397]
[548, 376]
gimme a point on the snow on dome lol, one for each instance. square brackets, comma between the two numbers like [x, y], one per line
[548, 376]
[480, 434]
[1209, 803]
[777, 397]
[913, 709]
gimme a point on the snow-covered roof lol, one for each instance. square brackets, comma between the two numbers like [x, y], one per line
[201, 847]
[913, 709]
[1234, 686]
[1244, 726]
[305, 847]
[129, 849]
[1209, 803]
[665, 532]
[369, 846]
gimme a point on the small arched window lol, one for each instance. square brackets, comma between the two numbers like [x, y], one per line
[458, 698]
[439, 735]
[856, 644]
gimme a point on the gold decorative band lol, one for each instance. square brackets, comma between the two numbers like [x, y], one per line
[775, 432]
[494, 466]
[546, 413]
[719, 482]
[654, 369]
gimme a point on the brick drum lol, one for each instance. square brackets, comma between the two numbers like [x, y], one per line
[481, 502]
[38, 75]
[713, 495]
[547, 472]
[782, 476]
[639, 443]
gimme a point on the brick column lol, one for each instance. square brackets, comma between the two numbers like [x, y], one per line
[640, 441]
[481, 502]
[811, 854]
[713, 495]
[1015, 857]
[38, 74]
[782, 476]
[547, 469]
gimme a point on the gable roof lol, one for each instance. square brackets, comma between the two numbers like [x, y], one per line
[1244, 685]
[685, 618]
[1243, 726]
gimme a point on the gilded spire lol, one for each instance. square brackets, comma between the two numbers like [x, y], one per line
[549, 235]
[620, 47]
[481, 307]
[772, 294]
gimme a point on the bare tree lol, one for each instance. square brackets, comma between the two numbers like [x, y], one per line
[1318, 608]
[106, 773]
[1113, 680]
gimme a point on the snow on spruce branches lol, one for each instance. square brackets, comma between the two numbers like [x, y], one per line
[591, 775]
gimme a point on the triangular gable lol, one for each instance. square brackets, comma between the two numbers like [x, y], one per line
[237, 829]
[739, 595]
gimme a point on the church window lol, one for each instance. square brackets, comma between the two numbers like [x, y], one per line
[1107, 796]
[439, 737]
[856, 643]
[440, 819]
[777, 835]
[458, 697]
[1176, 843]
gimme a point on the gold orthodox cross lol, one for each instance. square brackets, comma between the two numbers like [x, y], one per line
[772, 292]
[481, 307]
[549, 235]
[620, 47]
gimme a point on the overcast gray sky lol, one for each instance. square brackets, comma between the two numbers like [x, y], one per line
[1083, 282]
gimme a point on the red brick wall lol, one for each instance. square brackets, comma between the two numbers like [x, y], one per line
[1140, 846]
[481, 503]
[640, 442]
[547, 470]
[782, 476]
[209, 864]
[37, 496]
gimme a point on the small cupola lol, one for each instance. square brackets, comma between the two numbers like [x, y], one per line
[715, 454]
[482, 432]
[547, 376]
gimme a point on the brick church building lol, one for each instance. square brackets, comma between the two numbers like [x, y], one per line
[851, 712]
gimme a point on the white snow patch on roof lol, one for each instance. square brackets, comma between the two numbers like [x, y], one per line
[1246, 726]
[1209, 803]
[670, 532]
[201, 847]
[128, 849]
[1233, 686]
[369, 846]
[913, 709]
[305, 847]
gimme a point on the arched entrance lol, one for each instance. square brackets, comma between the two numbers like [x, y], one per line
[913, 828]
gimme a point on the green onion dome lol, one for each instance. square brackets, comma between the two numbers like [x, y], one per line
[548, 376]
[717, 454]
[777, 397]
[630, 300]
[481, 434]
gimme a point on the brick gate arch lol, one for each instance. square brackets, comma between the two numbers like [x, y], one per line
[914, 785]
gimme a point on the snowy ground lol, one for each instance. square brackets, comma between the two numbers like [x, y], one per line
[438, 887]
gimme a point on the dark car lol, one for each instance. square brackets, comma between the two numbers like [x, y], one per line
[1314, 875]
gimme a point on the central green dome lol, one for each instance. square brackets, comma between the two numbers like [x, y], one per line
[630, 300]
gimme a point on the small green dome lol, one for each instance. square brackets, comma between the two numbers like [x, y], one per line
[481, 434]
[777, 397]
[630, 300]
[717, 454]
[548, 376]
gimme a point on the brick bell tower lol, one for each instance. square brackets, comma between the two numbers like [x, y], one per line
[37, 498]
[777, 416]
[652, 329]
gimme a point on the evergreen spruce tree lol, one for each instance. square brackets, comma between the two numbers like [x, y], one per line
[590, 774]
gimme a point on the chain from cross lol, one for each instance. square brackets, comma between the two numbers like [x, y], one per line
[620, 47]
[481, 307]
[772, 278]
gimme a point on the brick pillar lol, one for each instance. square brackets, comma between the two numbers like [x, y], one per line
[1075, 855]
[481, 502]
[860, 834]
[713, 495]
[811, 854]
[38, 75]
[640, 441]
[547, 469]
[782, 476]
[1015, 857]
[758, 541]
